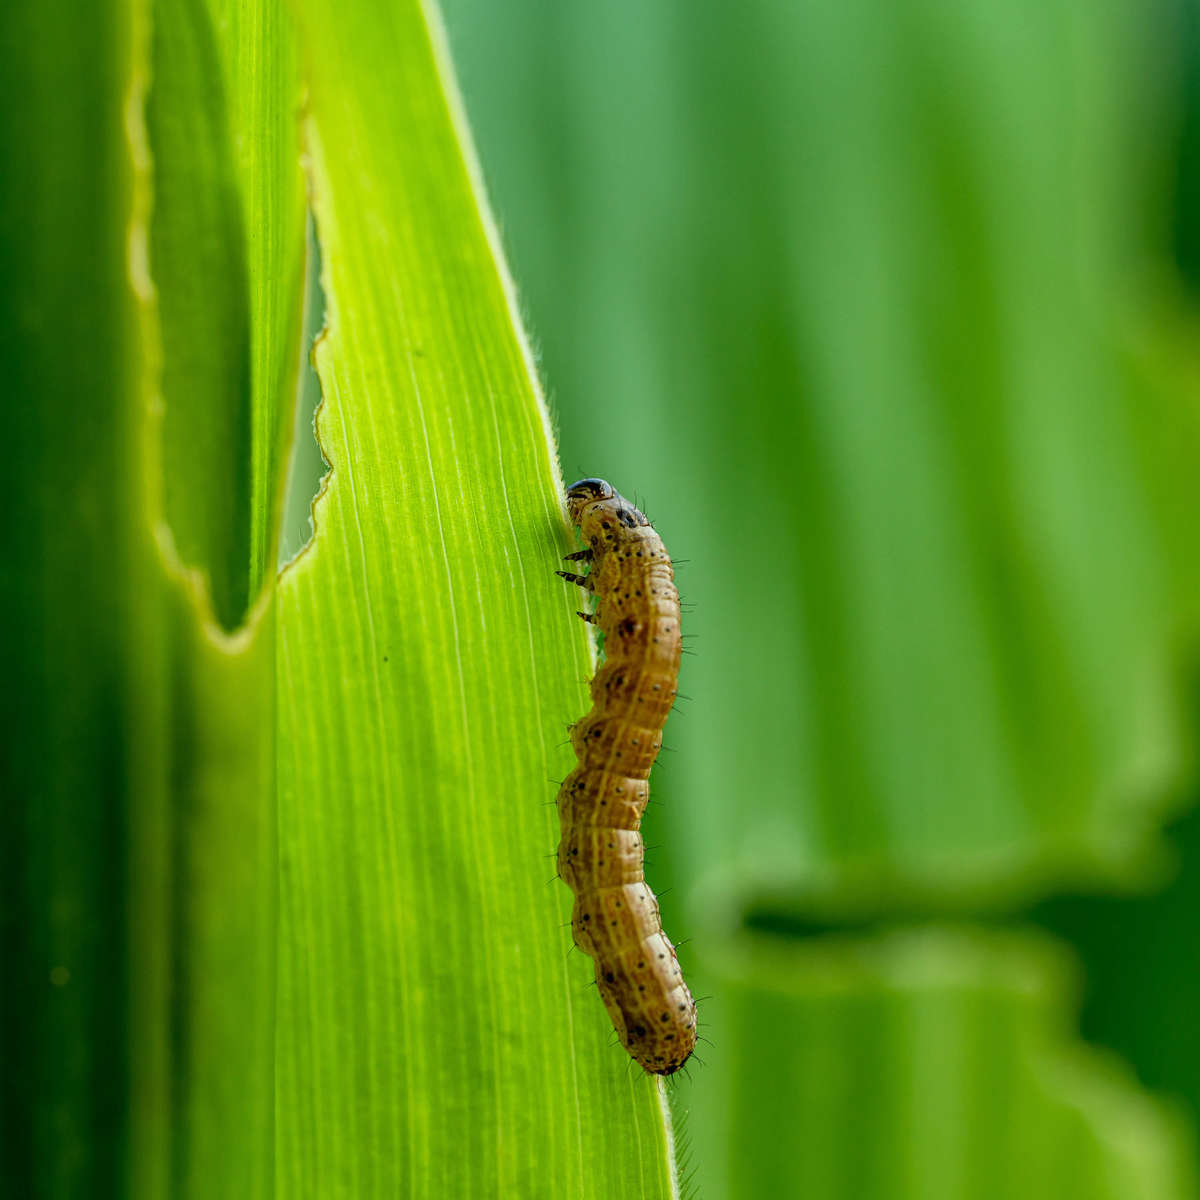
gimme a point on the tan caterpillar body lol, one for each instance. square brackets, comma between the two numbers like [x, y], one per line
[600, 804]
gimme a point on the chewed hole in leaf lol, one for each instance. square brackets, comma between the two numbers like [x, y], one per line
[307, 467]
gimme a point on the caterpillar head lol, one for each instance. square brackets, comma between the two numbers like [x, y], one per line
[596, 496]
[585, 492]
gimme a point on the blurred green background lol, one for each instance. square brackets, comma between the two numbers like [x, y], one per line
[883, 312]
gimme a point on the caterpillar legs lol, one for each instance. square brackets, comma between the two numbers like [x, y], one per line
[582, 580]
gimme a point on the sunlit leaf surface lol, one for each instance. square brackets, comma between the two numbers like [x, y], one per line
[429, 664]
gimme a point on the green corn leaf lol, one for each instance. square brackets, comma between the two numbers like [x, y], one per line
[429, 663]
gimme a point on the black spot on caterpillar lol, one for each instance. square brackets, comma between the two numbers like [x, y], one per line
[600, 804]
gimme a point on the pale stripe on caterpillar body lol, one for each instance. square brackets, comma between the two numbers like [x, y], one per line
[600, 804]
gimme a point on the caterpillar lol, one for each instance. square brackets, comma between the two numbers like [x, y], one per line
[600, 804]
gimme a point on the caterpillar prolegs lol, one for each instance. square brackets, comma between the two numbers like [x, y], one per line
[600, 804]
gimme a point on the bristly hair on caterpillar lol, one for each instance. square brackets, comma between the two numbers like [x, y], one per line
[616, 920]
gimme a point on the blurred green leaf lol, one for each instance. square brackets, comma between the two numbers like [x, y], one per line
[926, 1062]
[198, 260]
[261, 72]
[138, 773]
[227, 253]
[843, 290]
[72, 572]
